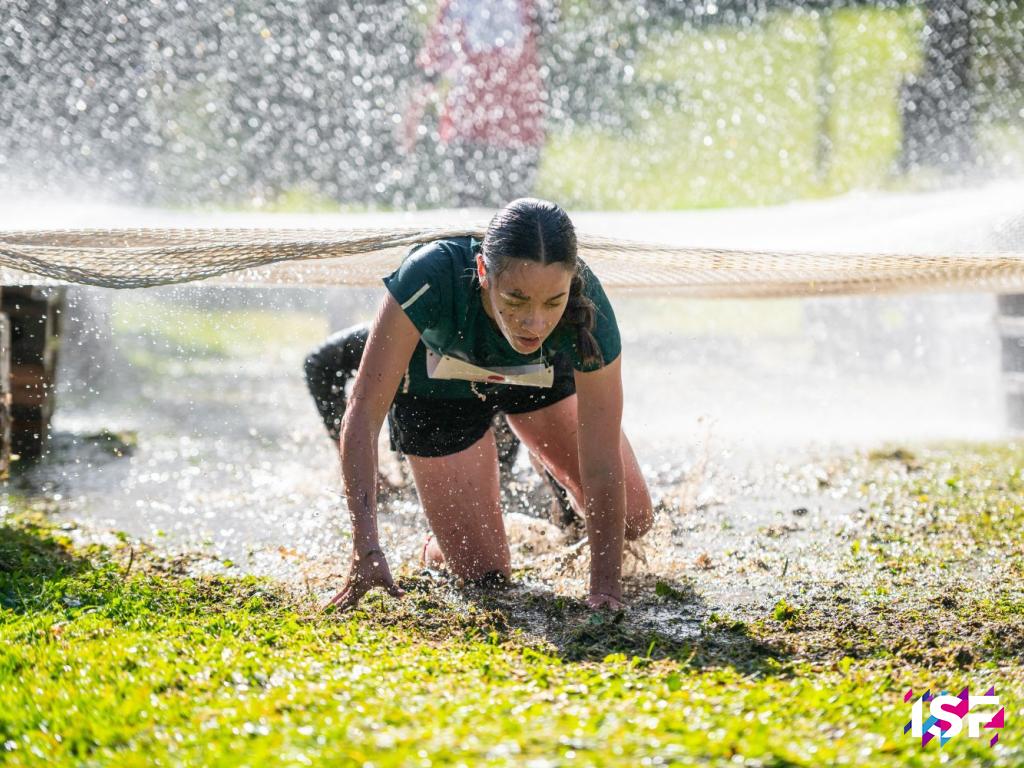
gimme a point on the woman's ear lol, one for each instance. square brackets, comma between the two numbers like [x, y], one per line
[481, 270]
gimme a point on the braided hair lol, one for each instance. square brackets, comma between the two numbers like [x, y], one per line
[539, 230]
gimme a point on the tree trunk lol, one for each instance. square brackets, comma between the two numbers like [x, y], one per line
[938, 104]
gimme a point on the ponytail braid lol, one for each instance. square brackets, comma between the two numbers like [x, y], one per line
[581, 314]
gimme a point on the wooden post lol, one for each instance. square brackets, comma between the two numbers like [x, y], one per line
[34, 315]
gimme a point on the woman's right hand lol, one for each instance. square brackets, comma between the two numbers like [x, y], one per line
[389, 347]
[366, 572]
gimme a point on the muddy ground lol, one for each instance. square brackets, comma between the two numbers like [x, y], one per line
[852, 531]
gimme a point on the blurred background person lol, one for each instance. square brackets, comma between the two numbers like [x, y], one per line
[481, 68]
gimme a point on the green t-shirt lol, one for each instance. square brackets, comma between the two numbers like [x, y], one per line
[437, 287]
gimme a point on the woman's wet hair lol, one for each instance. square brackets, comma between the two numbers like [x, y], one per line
[539, 230]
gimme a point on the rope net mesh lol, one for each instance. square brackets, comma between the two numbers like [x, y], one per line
[146, 257]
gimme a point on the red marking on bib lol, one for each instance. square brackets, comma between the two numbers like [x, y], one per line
[495, 378]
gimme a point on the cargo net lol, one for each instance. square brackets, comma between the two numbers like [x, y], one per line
[140, 258]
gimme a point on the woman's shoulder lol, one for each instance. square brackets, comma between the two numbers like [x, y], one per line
[429, 284]
[434, 280]
[444, 253]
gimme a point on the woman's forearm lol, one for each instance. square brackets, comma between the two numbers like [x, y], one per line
[359, 476]
[605, 500]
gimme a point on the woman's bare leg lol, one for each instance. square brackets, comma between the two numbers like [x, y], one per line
[461, 499]
[551, 434]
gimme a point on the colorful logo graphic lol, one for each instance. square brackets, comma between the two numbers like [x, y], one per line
[947, 713]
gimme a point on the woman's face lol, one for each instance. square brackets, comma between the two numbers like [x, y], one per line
[526, 300]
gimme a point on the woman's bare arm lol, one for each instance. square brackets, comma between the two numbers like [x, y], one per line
[599, 398]
[391, 342]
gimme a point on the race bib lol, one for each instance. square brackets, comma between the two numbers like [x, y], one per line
[447, 367]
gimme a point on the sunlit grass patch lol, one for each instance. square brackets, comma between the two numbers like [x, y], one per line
[934, 566]
[106, 663]
[295, 199]
[185, 669]
[968, 496]
[749, 112]
[874, 50]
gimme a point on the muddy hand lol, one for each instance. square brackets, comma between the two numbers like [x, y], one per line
[366, 572]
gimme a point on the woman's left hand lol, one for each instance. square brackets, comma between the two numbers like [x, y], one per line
[600, 600]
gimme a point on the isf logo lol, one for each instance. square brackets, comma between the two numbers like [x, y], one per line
[947, 713]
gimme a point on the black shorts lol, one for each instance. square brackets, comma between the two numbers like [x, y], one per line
[430, 426]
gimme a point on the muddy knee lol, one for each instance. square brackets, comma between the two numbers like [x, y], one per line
[639, 522]
[328, 368]
[479, 572]
[469, 564]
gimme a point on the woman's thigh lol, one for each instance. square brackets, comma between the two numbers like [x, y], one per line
[460, 497]
[551, 434]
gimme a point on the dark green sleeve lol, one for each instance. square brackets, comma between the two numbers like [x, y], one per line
[606, 328]
[421, 286]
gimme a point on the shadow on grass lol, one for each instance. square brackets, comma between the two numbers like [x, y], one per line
[665, 620]
[30, 556]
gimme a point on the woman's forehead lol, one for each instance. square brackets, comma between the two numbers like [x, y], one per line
[533, 278]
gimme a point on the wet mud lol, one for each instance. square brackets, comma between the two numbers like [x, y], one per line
[813, 552]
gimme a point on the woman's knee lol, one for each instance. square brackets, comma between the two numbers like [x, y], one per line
[488, 576]
[638, 525]
[336, 359]
[639, 509]
[639, 512]
[313, 367]
[475, 563]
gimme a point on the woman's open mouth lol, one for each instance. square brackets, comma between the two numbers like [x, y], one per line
[528, 341]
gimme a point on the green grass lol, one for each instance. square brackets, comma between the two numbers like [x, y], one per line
[217, 671]
[1004, 145]
[144, 324]
[942, 541]
[296, 199]
[118, 655]
[970, 498]
[749, 117]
